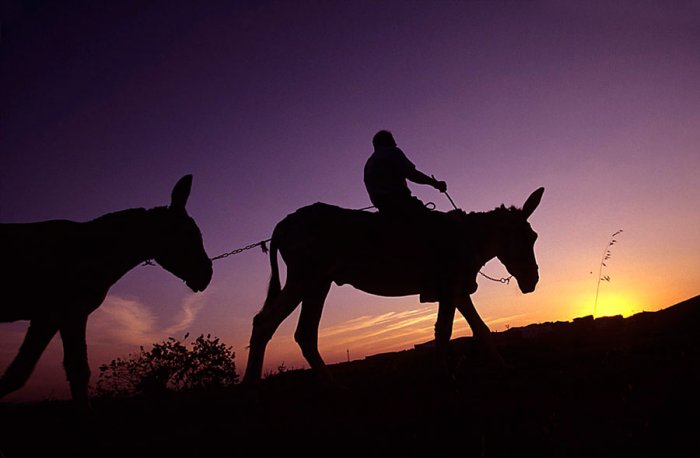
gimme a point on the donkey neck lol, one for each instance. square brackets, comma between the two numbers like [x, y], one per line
[488, 233]
[126, 238]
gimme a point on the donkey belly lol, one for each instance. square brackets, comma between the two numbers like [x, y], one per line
[47, 293]
[391, 279]
[23, 304]
[44, 273]
[384, 289]
[51, 304]
[26, 301]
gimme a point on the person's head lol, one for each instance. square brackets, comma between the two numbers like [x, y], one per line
[383, 139]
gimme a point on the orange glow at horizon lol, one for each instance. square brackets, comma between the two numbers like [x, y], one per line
[618, 303]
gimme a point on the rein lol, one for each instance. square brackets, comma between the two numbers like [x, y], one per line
[451, 201]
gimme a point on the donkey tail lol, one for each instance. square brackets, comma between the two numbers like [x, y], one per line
[274, 288]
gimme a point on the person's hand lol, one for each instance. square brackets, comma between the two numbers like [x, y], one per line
[440, 186]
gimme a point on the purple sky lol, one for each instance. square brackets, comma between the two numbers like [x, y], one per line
[272, 106]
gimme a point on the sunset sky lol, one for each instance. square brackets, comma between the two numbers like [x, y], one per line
[272, 106]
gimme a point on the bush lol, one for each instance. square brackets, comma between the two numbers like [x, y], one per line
[170, 366]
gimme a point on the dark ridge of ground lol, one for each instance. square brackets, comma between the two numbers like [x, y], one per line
[609, 387]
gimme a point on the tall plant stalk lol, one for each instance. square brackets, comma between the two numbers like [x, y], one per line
[606, 255]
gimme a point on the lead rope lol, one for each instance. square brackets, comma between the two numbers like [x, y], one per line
[262, 244]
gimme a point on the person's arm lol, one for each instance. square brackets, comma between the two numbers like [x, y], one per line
[413, 174]
[419, 177]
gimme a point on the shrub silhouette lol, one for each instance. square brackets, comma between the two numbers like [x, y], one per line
[170, 366]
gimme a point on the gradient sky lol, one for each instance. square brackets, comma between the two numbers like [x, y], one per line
[272, 106]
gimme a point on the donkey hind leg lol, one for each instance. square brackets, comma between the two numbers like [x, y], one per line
[265, 324]
[37, 338]
[481, 332]
[306, 334]
[75, 359]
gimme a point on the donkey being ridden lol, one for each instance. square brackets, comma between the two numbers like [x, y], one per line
[57, 272]
[438, 257]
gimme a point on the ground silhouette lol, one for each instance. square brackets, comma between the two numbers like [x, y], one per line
[437, 255]
[58, 272]
[588, 388]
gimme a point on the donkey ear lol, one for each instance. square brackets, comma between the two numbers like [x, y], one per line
[181, 191]
[532, 202]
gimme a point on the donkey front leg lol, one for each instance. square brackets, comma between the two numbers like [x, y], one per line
[75, 359]
[37, 338]
[443, 325]
[481, 332]
[443, 333]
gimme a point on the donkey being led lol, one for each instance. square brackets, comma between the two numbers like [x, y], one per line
[57, 272]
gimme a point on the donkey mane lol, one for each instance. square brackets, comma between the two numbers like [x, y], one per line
[108, 218]
[119, 221]
[502, 209]
[499, 213]
[126, 215]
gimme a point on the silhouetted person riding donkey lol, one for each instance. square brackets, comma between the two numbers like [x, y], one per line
[439, 260]
[386, 172]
